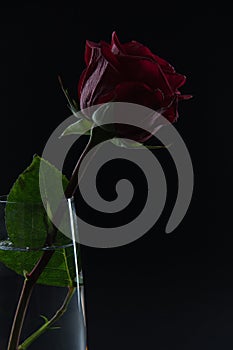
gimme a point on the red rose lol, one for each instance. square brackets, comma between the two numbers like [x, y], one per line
[129, 72]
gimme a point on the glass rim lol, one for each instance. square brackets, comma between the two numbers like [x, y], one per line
[4, 200]
[5, 245]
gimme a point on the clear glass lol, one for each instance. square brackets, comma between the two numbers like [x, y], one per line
[55, 315]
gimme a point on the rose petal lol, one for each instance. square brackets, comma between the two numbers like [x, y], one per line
[109, 96]
[184, 97]
[92, 51]
[80, 83]
[86, 75]
[109, 55]
[100, 78]
[171, 113]
[175, 80]
[116, 46]
[144, 70]
[135, 48]
[167, 67]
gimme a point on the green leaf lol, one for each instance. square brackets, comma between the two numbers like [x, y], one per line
[126, 143]
[120, 142]
[28, 226]
[81, 127]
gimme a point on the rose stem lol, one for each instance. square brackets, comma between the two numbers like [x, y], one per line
[98, 135]
[48, 324]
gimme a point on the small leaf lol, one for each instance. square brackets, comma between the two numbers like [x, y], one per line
[121, 142]
[81, 127]
[54, 328]
[157, 147]
[46, 320]
[126, 143]
[71, 102]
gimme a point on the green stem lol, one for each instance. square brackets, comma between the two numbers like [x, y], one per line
[98, 135]
[48, 324]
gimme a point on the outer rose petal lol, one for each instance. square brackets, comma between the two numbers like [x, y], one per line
[167, 67]
[175, 80]
[135, 48]
[116, 46]
[80, 83]
[86, 75]
[171, 112]
[101, 80]
[184, 97]
[92, 51]
[109, 55]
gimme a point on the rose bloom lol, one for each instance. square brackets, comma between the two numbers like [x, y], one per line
[130, 72]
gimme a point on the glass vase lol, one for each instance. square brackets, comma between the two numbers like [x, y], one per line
[47, 311]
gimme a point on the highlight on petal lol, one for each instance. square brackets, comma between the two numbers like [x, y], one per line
[116, 46]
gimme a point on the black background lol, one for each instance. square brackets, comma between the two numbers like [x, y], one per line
[162, 291]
